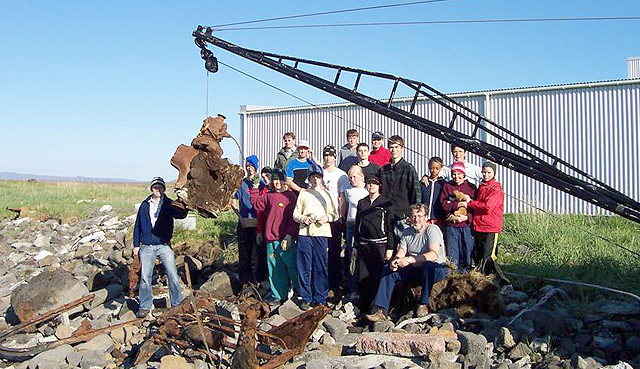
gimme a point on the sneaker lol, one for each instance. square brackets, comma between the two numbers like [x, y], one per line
[304, 306]
[142, 313]
[378, 316]
[422, 311]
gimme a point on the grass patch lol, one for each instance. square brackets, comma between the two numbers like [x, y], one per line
[223, 228]
[556, 246]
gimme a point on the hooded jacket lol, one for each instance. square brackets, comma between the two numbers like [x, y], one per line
[488, 207]
[278, 209]
[282, 160]
[162, 231]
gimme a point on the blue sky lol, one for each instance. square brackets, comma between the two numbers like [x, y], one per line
[110, 89]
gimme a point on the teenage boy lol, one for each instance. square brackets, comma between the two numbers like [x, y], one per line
[420, 259]
[152, 239]
[336, 182]
[347, 155]
[298, 168]
[474, 173]
[252, 260]
[379, 156]
[368, 168]
[287, 152]
[400, 184]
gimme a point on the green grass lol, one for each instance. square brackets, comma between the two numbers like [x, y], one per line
[223, 228]
[555, 246]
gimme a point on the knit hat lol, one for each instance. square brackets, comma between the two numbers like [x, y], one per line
[157, 181]
[267, 170]
[373, 179]
[377, 135]
[253, 160]
[278, 174]
[315, 169]
[329, 150]
[459, 167]
[490, 164]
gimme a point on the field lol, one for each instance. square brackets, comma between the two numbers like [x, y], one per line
[532, 244]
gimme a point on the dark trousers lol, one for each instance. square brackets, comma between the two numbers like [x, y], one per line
[369, 271]
[427, 274]
[311, 262]
[252, 258]
[335, 261]
[459, 243]
[486, 251]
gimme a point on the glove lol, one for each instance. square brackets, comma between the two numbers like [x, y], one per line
[255, 181]
[285, 243]
[353, 262]
[259, 238]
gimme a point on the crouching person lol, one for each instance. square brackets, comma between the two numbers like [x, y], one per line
[280, 232]
[152, 238]
[314, 210]
[420, 259]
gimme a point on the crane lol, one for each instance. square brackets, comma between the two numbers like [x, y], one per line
[516, 153]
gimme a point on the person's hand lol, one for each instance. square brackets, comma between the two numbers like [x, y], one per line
[323, 219]
[402, 262]
[255, 181]
[466, 198]
[393, 265]
[259, 238]
[461, 218]
[462, 204]
[388, 254]
[136, 250]
[307, 220]
[284, 245]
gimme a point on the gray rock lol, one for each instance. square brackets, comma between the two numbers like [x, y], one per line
[383, 326]
[412, 328]
[519, 351]
[454, 346]
[617, 325]
[619, 308]
[219, 285]
[46, 291]
[607, 341]
[619, 365]
[102, 343]
[53, 358]
[335, 326]
[512, 308]
[73, 359]
[471, 343]
[289, 310]
[309, 356]
[83, 270]
[105, 295]
[477, 361]
[93, 358]
[83, 250]
[517, 296]
[504, 340]
[366, 361]
[42, 241]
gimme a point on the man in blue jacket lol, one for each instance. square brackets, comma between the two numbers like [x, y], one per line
[152, 238]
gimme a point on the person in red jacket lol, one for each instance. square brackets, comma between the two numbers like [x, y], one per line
[487, 210]
[458, 237]
[280, 232]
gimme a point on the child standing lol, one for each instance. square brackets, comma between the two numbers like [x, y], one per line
[431, 193]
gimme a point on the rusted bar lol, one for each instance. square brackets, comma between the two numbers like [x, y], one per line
[197, 312]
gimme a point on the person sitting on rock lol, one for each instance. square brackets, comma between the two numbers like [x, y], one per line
[420, 259]
[151, 239]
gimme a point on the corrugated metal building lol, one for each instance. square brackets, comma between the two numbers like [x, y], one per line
[591, 125]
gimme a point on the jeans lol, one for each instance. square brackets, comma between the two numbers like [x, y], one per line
[148, 254]
[311, 260]
[459, 242]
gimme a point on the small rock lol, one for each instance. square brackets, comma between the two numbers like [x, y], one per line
[504, 339]
[42, 241]
[289, 310]
[317, 334]
[63, 331]
[327, 339]
[43, 254]
[219, 286]
[619, 308]
[174, 362]
[276, 320]
[477, 361]
[454, 346]
[53, 358]
[403, 344]
[519, 351]
[82, 251]
[102, 343]
[105, 208]
[93, 358]
[517, 296]
[471, 343]
[335, 326]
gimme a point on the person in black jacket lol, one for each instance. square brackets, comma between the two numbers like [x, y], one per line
[151, 239]
[431, 188]
[373, 239]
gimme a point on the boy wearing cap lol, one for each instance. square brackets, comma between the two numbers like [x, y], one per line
[379, 156]
[298, 168]
[280, 232]
[373, 238]
[487, 210]
[252, 261]
[348, 156]
[151, 239]
[336, 182]
[459, 239]
[473, 172]
[314, 211]
[369, 169]
[287, 152]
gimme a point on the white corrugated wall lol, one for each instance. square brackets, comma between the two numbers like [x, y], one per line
[634, 67]
[593, 126]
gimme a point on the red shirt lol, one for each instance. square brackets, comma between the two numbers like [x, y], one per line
[278, 207]
[488, 207]
[380, 157]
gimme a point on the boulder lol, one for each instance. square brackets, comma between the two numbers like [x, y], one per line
[53, 358]
[46, 291]
[102, 343]
[401, 344]
[219, 285]
[335, 326]
[366, 361]
[471, 343]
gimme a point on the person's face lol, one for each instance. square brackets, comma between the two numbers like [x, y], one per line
[395, 150]
[329, 160]
[377, 143]
[363, 153]
[251, 170]
[266, 177]
[303, 152]
[277, 184]
[356, 180]
[418, 218]
[289, 142]
[316, 180]
[373, 188]
[352, 140]
[458, 153]
[488, 174]
[434, 169]
[457, 177]
[157, 191]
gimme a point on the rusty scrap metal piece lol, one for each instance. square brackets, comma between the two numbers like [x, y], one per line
[134, 275]
[18, 211]
[205, 338]
[296, 332]
[244, 357]
[206, 181]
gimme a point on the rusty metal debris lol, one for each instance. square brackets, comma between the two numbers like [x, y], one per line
[206, 181]
[18, 211]
[134, 275]
[81, 335]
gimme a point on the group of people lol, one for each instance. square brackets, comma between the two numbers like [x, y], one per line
[361, 220]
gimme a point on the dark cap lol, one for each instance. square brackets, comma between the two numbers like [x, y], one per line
[377, 135]
[329, 150]
[278, 174]
[373, 179]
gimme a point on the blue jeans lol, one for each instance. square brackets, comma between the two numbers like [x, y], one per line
[459, 242]
[426, 274]
[148, 254]
[311, 260]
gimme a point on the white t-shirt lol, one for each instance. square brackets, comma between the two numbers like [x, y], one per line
[352, 196]
[336, 182]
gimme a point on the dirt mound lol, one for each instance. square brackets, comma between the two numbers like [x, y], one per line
[466, 293]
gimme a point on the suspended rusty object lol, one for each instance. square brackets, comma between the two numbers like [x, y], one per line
[134, 275]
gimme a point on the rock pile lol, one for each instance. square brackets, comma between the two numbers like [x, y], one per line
[48, 264]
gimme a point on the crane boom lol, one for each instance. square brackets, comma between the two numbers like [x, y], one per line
[518, 154]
